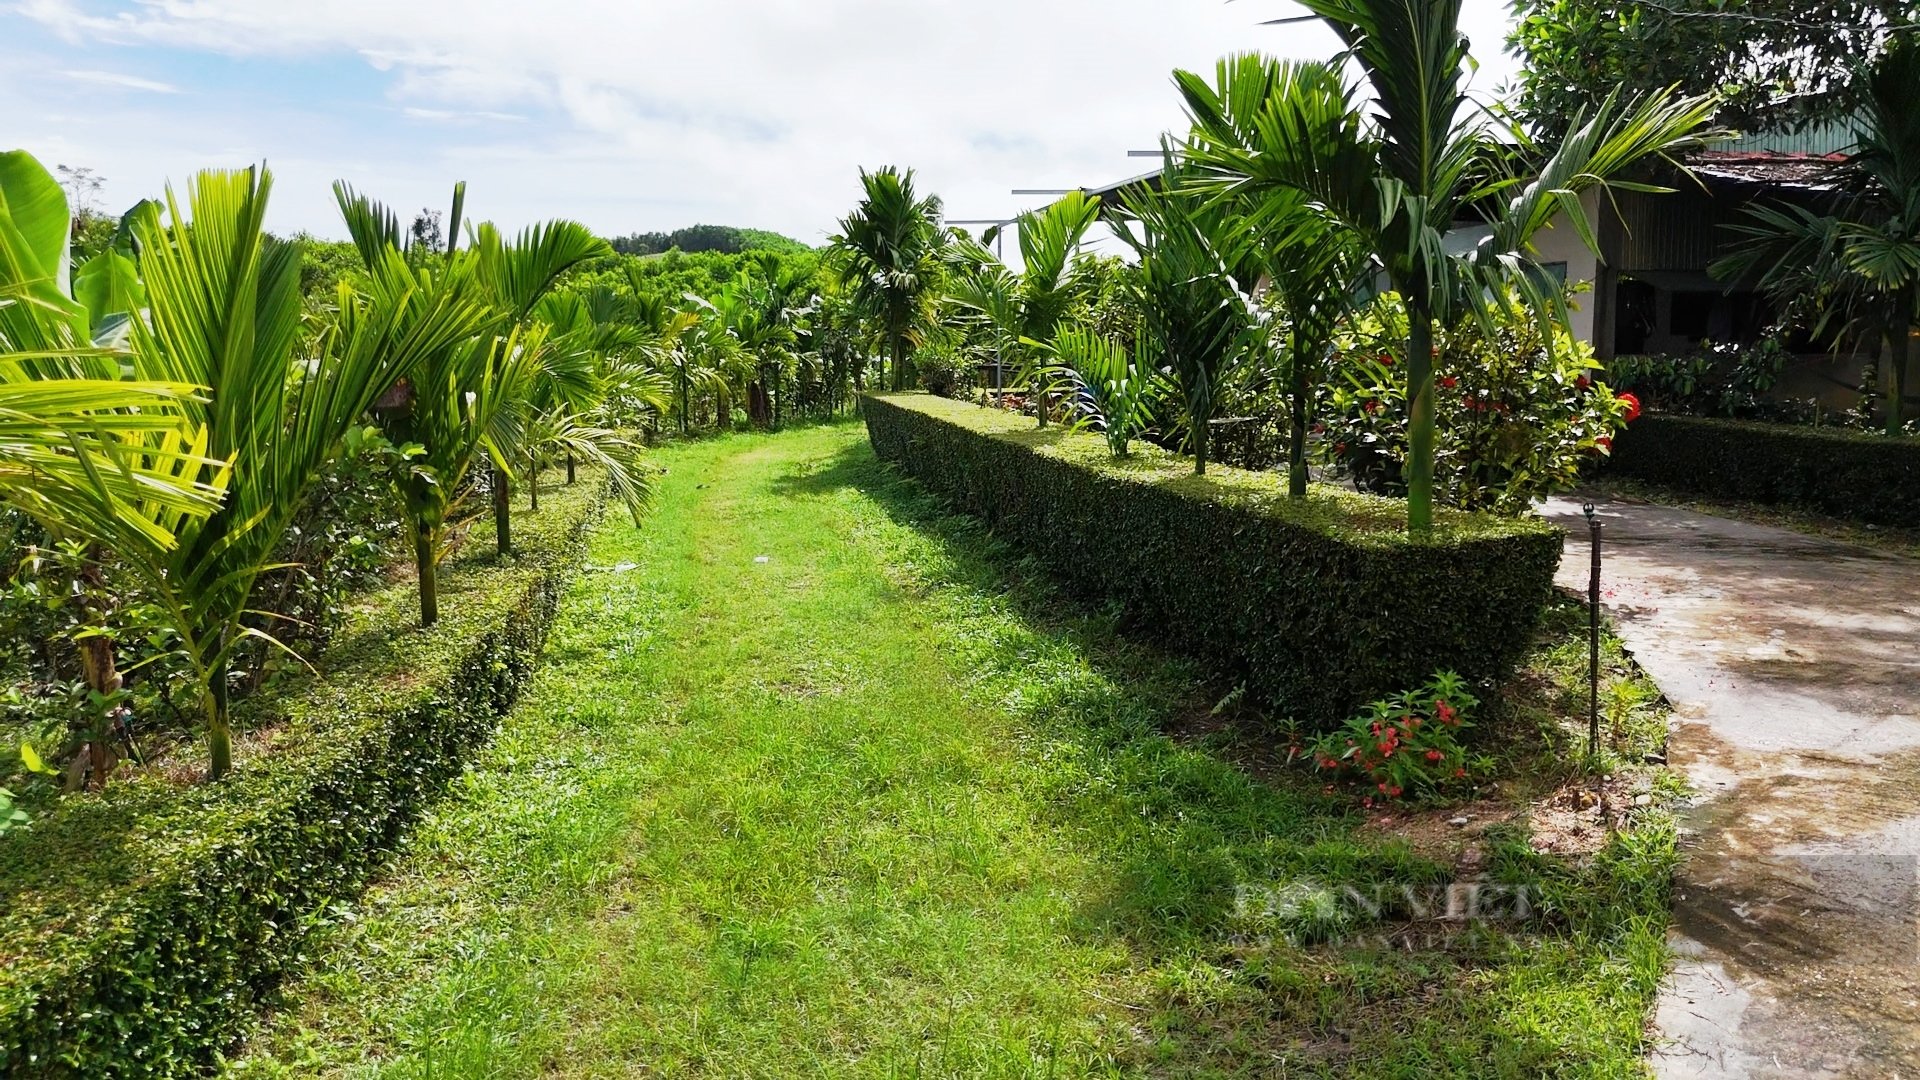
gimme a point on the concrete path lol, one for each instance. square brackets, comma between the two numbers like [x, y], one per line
[1793, 665]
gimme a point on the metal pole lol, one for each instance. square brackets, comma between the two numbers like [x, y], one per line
[1593, 637]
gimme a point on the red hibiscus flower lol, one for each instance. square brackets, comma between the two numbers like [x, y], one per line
[1449, 382]
[1434, 755]
[1633, 406]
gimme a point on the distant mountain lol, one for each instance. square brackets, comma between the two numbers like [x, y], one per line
[727, 239]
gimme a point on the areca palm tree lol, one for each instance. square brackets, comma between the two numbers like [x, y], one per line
[224, 308]
[1314, 267]
[1429, 158]
[1023, 311]
[889, 259]
[1197, 313]
[1859, 260]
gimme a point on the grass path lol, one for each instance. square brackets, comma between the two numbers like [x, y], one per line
[818, 781]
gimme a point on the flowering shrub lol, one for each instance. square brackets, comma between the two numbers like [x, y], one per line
[1516, 421]
[1409, 744]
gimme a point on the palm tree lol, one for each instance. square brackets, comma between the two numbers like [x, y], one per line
[1023, 311]
[224, 308]
[889, 250]
[1860, 260]
[519, 275]
[1197, 315]
[1314, 268]
[1430, 159]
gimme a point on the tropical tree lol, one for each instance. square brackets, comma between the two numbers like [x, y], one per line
[888, 254]
[1431, 158]
[1857, 259]
[1197, 315]
[1313, 267]
[224, 307]
[1023, 311]
[518, 275]
[1123, 383]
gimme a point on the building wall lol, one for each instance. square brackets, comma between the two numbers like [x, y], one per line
[1560, 242]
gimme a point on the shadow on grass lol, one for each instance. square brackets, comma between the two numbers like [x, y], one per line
[1203, 849]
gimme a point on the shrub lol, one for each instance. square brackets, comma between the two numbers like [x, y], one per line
[1408, 743]
[140, 928]
[1847, 474]
[1515, 420]
[1319, 604]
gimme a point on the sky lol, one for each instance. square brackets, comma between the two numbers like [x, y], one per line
[627, 115]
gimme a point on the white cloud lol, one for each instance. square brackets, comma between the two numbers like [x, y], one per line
[460, 115]
[754, 112]
[129, 82]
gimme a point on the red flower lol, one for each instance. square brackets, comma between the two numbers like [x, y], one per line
[1633, 406]
[1394, 791]
[1372, 406]
[1386, 359]
[1383, 787]
[1582, 382]
[1450, 382]
[1604, 442]
[1444, 711]
[1434, 755]
[1339, 448]
[1459, 772]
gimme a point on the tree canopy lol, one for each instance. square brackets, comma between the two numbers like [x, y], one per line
[1778, 64]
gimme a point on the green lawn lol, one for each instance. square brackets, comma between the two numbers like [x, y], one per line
[817, 780]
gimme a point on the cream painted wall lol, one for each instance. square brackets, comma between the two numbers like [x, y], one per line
[1560, 242]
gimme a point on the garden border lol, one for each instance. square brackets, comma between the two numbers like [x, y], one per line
[141, 929]
[1850, 475]
[1317, 606]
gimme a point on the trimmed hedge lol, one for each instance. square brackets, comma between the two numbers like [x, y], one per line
[1846, 474]
[140, 930]
[1321, 606]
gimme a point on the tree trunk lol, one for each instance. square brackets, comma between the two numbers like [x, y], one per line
[1899, 342]
[1202, 434]
[899, 365]
[570, 476]
[685, 405]
[427, 568]
[502, 512]
[1297, 445]
[103, 677]
[533, 484]
[1420, 420]
[219, 728]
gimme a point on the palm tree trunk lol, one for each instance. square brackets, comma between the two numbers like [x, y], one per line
[684, 403]
[899, 368]
[570, 476]
[425, 543]
[502, 512]
[1899, 343]
[1420, 419]
[102, 677]
[533, 484]
[1202, 434]
[219, 724]
[1297, 444]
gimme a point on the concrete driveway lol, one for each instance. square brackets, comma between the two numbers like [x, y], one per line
[1793, 665]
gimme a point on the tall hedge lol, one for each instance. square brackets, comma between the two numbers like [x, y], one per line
[1846, 474]
[140, 929]
[1320, 606]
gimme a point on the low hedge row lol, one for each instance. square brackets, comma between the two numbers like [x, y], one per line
[139, 930]
[1319, 605]
[1846, 474]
